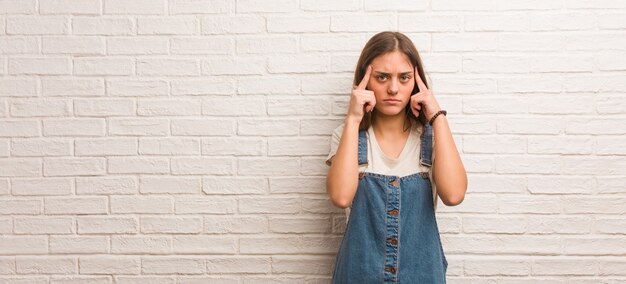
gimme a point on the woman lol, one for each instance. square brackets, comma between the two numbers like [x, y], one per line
[382, 168]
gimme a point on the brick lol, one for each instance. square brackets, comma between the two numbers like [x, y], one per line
[202, 45]
[301, 24]
[144, 45]
[20, 167]
[169, 225]
[198, 87]
[110, 265]
[228, 224]
[44, 225]
[84, 7]
[23, 245]
[74, 127]
[297, 146]
[169, 146]
[138, 165]
[363, 22]
[169, 107]
[19, 45]
[429, 23]
[173, 185]
[39, 147]
[143, 7]
[34, 108]
[234, 106]
[46, 265]
[37, 25]
[234, 185]
[104, 107]
[167, 26]
[18, 87]
[138, 126]
[106, 185]
[203, 127]
[42, 186]
[205, 205]
[141, 244]
[76, 205]
[172, 265]
[267, 127]
[204, 166]
[305, 64]
[103, 26]
[79, 244]
[286, 205]
[107, 225]
[139, 88]
[72, 87]
[40, 66]
[289, 245]
[142, 204]
[233, 146]
[233, 66]
[201, 6]
[168, 67]
[266, 44]
[19, 128]
[260, 6]
[103, 66]
[239, 264]
[78, 45]
[238, 24]
[264, 166]
[333, 42]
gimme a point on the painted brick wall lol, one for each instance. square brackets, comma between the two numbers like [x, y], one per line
[182, 141]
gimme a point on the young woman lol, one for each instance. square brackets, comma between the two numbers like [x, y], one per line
[383, 170]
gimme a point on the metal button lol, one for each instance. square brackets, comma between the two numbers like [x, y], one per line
[395, 183]
[393, 241]
[361, 175]
[424, 175]
[391, 269]
[393, 212]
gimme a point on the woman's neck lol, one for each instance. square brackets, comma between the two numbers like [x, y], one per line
[389, 125]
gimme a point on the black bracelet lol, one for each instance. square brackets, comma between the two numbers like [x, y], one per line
[437, 114]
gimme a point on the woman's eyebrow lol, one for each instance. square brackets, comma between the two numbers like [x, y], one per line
[403, 73]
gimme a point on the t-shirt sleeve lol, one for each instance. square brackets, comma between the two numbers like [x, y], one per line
[334, 143]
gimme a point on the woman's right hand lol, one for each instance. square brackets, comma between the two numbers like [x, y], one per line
[361, 100]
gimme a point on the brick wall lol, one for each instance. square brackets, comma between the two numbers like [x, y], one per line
[182, 141]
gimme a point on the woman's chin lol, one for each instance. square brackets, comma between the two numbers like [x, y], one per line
[390, 111]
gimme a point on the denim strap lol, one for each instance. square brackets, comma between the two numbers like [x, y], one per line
[362, 147]
[427, 145]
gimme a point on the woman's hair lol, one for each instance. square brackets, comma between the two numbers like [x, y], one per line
[382, 43]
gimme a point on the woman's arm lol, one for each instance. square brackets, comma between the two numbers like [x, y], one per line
[342, 178]
[452, 183]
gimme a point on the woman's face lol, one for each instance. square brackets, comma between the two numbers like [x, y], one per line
[392, 82]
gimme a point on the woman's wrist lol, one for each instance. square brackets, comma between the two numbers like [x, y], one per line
[432, 119]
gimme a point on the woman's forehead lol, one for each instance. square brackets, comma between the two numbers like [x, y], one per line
[392, 62]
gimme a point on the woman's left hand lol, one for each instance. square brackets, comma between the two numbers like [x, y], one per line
[423, 98]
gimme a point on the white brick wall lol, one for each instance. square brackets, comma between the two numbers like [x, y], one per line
[183, 141]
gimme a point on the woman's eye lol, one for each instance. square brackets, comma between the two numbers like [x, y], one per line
[382, 77]
[405, 78]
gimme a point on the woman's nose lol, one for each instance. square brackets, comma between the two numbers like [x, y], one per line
[393, 87]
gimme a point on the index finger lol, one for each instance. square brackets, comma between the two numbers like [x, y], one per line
[366, 78]
[419, 81]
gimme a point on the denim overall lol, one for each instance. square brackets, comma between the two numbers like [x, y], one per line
[392, 234]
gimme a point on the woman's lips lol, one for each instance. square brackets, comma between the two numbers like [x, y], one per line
[392, 102]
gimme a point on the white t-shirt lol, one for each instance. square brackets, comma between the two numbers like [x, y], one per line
[406, 164]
